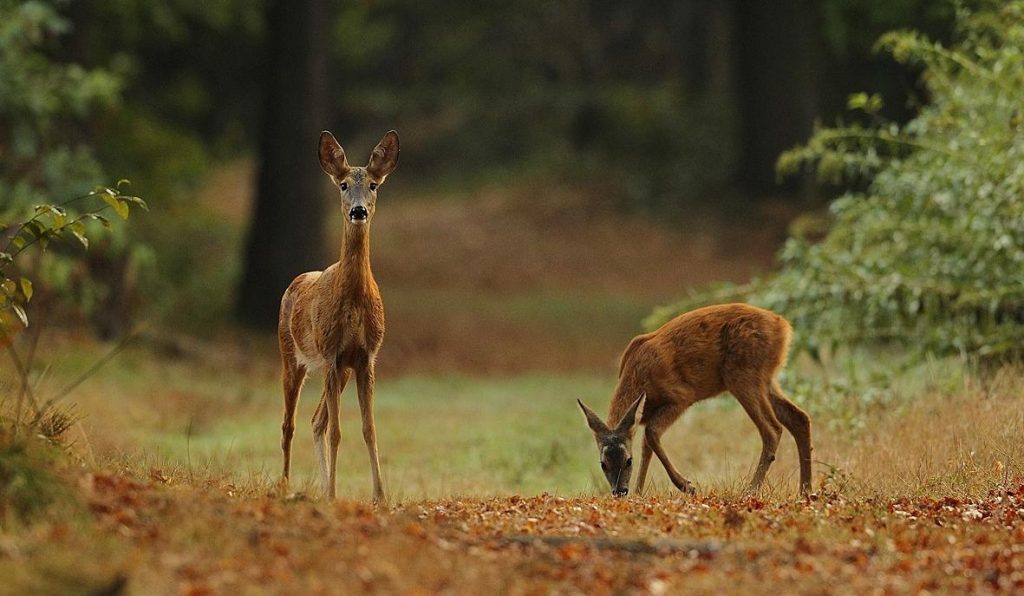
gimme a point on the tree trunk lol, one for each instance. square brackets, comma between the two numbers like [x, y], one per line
[779, 90]
[286, 235]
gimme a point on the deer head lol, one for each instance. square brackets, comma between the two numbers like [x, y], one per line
[615, 445]
[358, 185]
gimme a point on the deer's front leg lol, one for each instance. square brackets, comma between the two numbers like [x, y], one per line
[645, 462]
[364, 382]
[654, 425]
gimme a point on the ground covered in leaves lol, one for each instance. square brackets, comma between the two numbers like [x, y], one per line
[156, 536]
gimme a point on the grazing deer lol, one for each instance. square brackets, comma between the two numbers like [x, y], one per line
[333, 320]
[728, 347]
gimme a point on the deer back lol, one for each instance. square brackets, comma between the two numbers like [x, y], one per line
[693, 356]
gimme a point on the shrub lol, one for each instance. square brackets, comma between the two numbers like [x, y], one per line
[930, 255]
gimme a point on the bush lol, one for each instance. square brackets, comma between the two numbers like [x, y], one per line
[930, 255]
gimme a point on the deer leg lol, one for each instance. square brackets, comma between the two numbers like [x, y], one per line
[327, 428]
[293, 377]
[319, 422]
[798, 423]
[645, 462]
[320, 419]
[364, 384]
[654, 427]
[754, 398]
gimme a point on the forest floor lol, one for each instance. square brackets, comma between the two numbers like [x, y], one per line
[498, 321]
[156, 537]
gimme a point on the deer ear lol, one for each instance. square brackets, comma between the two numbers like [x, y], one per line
[332, 157]
[384, 157]
[633, 416]
[593, 420]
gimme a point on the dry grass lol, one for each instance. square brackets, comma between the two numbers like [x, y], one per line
[960, 444]
[935, 443]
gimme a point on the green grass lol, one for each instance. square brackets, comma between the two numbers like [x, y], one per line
[438, 435]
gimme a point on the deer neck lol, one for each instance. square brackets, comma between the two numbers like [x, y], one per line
[356, 277]
[626, 392]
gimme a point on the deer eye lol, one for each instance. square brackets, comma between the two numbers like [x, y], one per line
[343, 186]
[604, 466]
[373, 186]
[629, 461]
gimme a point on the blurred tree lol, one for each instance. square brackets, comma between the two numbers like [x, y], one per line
[189, 97]
[668, 103]
[780, 84]
[286, 235]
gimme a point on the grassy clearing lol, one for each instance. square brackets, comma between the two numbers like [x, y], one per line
[932, 430]
[441, 435]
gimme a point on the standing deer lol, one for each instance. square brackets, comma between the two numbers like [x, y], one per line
[697, 355]
[333, 320]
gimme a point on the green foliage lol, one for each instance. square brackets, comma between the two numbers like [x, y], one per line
[930, 254]
[42, 103]
[47, 224]
[47, 111]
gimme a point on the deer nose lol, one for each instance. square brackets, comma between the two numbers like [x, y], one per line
[358, 213]
[620, 492]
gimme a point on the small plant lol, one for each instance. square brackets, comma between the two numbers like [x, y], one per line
[49, 223]
[28, 484]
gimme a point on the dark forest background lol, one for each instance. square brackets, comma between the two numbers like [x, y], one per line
[665, 106]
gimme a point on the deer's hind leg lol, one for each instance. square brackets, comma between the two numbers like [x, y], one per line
[327, 427]
[753, 395]
[798, 423]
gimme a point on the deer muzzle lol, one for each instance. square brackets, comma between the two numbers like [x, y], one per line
[358, 214]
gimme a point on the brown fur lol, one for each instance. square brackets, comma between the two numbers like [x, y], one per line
[699, 354]
[333, 320]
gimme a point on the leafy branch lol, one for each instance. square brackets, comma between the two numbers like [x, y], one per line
[48, 222]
